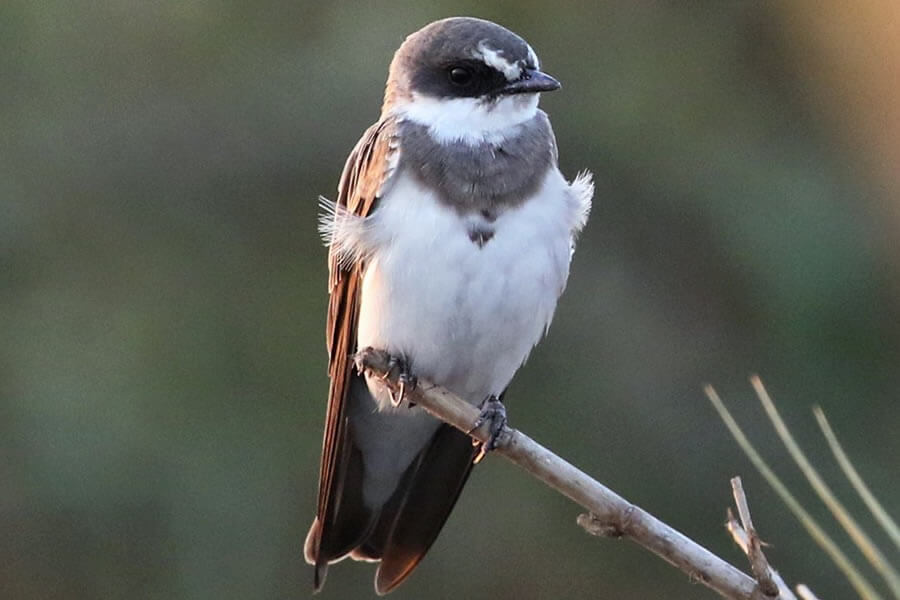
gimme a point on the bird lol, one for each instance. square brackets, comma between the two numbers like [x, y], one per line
[450, 242]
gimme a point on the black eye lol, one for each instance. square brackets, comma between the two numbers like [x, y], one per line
[460, 76]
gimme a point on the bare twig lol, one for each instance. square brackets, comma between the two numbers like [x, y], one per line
[758, 563]
[742, 539]
[851, 572]
[771, 585]
[610, 513]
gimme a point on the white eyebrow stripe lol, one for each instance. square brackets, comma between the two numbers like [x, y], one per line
[493, 58]
[533, 56]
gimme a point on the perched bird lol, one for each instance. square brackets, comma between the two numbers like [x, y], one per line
[450, 243]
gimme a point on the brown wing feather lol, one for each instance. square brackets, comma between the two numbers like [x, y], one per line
[365, 173]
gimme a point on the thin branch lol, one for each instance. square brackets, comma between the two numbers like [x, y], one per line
[753, 549]
[853, 575]
[881, 515]
[838, 510]
[612, 514]
[743, 540]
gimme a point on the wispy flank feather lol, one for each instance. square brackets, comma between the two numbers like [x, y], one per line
[583, 190]
[347, 235]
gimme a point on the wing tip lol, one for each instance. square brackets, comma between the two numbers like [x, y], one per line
[313, 540]
[387, 578]
[319, 574]
[311, 554]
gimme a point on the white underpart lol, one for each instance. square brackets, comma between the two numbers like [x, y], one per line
[469, 120]
[465, 316]
[493, 58]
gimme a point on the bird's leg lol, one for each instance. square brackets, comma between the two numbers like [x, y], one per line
[494, 414]
[406, 381]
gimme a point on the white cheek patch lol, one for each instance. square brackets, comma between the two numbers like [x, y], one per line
[469, 120]
[493, 58]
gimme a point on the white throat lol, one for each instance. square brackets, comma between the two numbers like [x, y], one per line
[469, 120]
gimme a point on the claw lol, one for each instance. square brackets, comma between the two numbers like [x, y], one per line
[494, 413]
[481, 453]
[401, 390]
[405, 380]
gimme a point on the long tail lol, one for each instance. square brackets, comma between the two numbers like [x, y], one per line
[400, 532]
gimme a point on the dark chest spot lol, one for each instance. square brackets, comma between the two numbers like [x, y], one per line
[480, 235]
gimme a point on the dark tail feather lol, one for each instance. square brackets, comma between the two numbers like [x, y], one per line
[420, 508]
[349, 520]
[372, 549]
[403, 529]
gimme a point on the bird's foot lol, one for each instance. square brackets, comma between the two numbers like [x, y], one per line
[406, 381]
[395, 372]
[494, 414]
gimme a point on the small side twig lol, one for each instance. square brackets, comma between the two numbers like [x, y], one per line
[770, 583]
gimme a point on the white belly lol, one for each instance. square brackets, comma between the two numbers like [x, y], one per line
[465, 316]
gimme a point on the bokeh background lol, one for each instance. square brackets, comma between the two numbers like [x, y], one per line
[162, 286]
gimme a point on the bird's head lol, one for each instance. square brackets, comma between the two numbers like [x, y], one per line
[466, 79]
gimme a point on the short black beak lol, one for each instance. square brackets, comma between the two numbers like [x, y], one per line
[531, 82]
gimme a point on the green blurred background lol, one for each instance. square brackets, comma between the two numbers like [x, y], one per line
[162, 286]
